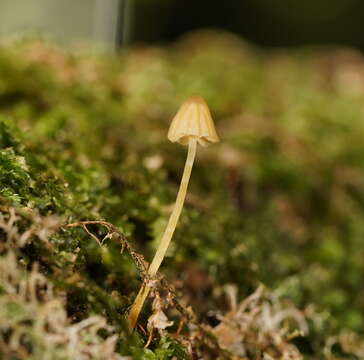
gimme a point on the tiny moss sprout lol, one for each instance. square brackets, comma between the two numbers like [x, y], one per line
[192, 124]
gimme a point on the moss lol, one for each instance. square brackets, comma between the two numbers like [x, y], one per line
[83, 137]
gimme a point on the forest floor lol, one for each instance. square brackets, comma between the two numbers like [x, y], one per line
[267, 259]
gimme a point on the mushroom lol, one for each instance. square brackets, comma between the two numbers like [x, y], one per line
[191, 125]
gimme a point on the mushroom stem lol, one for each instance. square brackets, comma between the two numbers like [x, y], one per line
[173, 219]
[167, 235]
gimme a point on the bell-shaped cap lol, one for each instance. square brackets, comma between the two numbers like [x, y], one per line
[193, 119]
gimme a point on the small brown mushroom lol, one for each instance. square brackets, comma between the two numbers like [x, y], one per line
[192, 124]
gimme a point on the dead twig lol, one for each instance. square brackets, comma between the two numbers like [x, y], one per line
[91, 234]
[157, 283]
[117, 236]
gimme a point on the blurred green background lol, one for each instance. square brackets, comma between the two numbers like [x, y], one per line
[65, 21]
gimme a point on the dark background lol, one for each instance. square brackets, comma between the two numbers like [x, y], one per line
[264, 22]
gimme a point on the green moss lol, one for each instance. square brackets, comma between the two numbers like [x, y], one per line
[279, 201]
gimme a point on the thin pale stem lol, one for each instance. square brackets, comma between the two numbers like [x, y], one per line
[167, 235]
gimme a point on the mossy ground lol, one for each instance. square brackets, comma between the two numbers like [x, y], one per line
[279, 202]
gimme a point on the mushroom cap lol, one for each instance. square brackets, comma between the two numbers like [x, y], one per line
[193, 119]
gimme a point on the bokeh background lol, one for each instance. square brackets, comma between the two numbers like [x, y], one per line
[87, 91]
[264, 22]
[118, 22]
